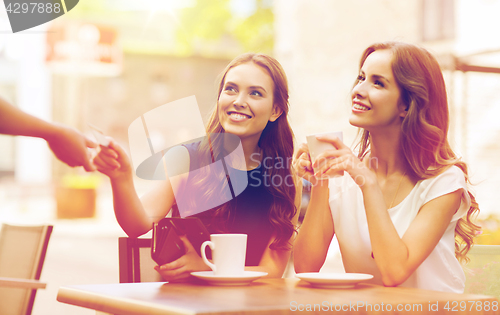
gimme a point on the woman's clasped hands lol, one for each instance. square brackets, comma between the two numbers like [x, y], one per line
[330, 163]
[112, 161]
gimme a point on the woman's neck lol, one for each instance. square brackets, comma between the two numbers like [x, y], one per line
[386, 156]
[252, 155]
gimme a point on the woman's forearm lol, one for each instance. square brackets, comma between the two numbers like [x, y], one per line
[315, 233]
[129, 210]
[389, 250]
[14, 121]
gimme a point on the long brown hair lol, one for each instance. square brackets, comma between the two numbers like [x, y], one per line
[424, 130]
[276, 143]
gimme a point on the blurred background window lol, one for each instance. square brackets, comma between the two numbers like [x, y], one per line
[438, 20]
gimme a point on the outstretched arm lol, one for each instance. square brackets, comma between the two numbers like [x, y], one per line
[135, 216]
[67, 144]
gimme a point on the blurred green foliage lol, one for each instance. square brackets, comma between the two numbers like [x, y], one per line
[483, 270]
[209, 23]
[89, 7]
[215, 28]
[490, 235]
[482, 274]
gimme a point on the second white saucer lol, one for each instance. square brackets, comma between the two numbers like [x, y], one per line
[245, 278]
[334, 280]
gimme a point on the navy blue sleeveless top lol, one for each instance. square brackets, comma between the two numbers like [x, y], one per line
[248, 214]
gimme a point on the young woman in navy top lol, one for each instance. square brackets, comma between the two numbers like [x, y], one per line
[253, 105]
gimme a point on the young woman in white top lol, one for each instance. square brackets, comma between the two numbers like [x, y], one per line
[402, 211]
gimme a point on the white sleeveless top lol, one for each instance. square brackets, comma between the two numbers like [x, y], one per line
[440, 271]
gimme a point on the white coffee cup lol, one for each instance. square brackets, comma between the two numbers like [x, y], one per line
[317, 147]
[228, 254]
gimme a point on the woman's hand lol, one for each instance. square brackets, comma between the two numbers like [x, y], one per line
[70, 146]
[181, 268]
[333, 161]
[302, 164]
[113, 161]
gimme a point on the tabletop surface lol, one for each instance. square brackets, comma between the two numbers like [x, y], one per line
[269, 296]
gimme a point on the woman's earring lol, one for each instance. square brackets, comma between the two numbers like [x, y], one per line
[403, 114]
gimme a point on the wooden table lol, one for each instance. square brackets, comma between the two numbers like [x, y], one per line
[269, 296]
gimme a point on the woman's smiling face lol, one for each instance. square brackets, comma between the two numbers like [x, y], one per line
[246, 102]
[376, 96]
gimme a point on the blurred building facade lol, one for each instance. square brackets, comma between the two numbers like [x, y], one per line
[150, 73]
[146, 82]
[319, 44]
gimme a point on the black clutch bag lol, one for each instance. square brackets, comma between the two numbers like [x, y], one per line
[166, 244]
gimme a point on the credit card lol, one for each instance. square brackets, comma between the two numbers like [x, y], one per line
[99, 135]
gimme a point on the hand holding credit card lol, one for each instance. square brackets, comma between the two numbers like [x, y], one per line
[99, 135]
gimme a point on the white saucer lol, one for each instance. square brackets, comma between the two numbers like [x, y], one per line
[244, 279]
[334, 280]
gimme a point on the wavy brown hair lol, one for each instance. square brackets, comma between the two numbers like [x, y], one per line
[276, 142]
[424, 130]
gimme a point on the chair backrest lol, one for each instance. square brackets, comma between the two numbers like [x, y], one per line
[22, 253]
[136, 264]
[483, 271]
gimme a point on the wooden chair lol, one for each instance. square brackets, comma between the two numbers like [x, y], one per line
[483, 271]
[136, 264]
[22, 254]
